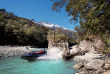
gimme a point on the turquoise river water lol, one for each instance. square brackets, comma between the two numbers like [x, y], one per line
[20, 66]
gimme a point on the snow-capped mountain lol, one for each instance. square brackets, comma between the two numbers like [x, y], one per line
[55, 27]
[50, 25]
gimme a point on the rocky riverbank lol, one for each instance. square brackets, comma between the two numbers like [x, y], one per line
[8, 51]
[87, 58]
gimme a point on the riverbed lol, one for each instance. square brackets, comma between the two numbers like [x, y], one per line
[17, 65]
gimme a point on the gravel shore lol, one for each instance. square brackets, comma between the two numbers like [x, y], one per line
[8, 51]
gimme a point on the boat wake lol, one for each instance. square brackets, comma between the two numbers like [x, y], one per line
[53, 53]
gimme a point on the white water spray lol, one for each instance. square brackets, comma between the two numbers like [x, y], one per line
[53, 53]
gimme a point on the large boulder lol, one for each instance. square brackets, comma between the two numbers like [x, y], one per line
[94, 65]
[75, 50]
[87, 46]
[81, 49]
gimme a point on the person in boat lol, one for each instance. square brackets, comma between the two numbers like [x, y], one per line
[38, 51]
[41, 51]
[33, 53]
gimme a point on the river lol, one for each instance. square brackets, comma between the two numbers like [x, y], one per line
[20, 66]
[47, 64]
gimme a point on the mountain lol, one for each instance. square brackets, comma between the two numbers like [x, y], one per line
[50, 25]
[55, 27]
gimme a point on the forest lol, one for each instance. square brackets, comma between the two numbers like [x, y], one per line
[16, 30]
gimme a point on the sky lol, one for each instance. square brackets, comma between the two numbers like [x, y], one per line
[40, 10]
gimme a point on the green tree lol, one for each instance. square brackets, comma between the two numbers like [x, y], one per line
[2, 10]
[94, 17]
[93, 14]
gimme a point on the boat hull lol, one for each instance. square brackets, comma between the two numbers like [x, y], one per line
[32, 55]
